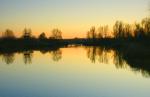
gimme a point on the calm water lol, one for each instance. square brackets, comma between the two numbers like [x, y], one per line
[71, 72]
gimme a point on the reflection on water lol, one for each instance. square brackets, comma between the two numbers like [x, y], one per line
[8, 58]
[100, 54]
[84, 72]
[109, 56]
[27, 56]
[56, 55]
[106, 56]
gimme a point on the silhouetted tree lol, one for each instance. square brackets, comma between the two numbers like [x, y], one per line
[118, 29]
[146, 26]
[42, 36]
[27, 33]
[102, 31]
[139, 31]
[92, 33]
[88, 35]
[127, 31]
[56, 34]
[8, 34]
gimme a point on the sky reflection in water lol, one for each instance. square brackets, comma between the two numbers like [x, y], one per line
[71, 72]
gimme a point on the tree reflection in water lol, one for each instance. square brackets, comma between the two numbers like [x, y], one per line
[118, 58]
[96, 54]
[91, 53]
[8, 58]
[27, 57]
[56, 55]
[104, 55]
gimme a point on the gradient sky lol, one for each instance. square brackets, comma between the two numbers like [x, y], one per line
[73, 17]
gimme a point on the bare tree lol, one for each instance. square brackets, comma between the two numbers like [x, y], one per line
[118, 29]
[56, 34]
[92, 33]
[27, 33]
[102, 32]
[105, 31]
[146, 26]
[139, 31]
[127, 31]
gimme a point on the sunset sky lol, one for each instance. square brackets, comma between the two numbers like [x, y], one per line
[73, 17]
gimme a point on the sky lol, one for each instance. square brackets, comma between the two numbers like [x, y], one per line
[72, 17]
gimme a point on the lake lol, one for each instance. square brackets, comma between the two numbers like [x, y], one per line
[74, 71]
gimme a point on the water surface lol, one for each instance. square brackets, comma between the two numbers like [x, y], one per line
[71, 72]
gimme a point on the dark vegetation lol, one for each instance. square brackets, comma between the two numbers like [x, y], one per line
[28, 42]
[130, 41]
[122, 35]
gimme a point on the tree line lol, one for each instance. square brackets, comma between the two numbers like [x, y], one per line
[27, 34]
[122, 30]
